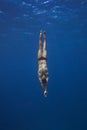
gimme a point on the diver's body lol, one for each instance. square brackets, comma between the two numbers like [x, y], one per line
[42, 63]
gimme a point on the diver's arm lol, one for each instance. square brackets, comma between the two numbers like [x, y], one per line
[45, 88]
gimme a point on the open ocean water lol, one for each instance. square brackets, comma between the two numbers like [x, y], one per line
[22, 103]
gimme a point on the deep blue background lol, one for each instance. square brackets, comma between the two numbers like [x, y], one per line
[22, 104]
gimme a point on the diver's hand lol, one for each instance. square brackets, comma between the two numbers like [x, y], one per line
[45, 93]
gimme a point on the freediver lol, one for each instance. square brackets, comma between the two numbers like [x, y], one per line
[42, 62]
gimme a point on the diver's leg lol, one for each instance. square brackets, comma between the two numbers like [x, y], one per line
[40, 40]
[40, 51]
[44, 44]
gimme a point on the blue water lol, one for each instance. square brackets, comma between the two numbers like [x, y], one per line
[22, 103]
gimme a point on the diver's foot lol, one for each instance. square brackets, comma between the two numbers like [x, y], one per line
[45, 93]
[44, 34]
[41, 33]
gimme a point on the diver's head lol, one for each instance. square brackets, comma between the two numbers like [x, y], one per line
[44, 79]
[45, 93]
